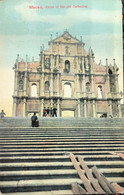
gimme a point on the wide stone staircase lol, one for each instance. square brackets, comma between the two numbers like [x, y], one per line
[36, 161]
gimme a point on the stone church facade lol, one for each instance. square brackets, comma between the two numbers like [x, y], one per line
[68, 78]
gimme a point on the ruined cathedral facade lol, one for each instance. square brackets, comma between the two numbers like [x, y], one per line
[68, 78]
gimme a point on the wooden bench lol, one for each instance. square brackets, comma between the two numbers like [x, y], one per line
[94, 182]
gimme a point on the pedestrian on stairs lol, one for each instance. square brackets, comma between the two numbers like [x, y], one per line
[2, 114]
[44, 112]
[34, 119]
[47, 111]
[54, 112]
[51, 112]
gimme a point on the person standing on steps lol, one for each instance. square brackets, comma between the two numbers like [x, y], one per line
[44, 112]
[2, 114]
[54, 112]
[51, 112]
[34, 119]
[47, 111]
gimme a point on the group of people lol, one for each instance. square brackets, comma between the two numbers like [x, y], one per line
[51, 112]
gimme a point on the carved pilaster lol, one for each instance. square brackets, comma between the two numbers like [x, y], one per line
[83, 86]
[85, 108]
[51, 103]
[43, 62]
[51, 84]
[110, 107]
[52, 62]
[77, 65]
[77, 86]
[41, 107]
[16, 83]
[119, 109]
[94, 108]
[58, 85]
[58, 107]
[117, 86]
[25, 84]
[14, 110]
[83, 68]
[79, 108]
[24, 107]
[92, 87]
[57, 62]
[42, 85]
[57, 47]
[107, 81]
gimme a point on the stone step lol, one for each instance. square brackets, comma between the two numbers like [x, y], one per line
[37, 160]
[54, 172]
[58, 139]
[46, 153]
[48, 183]
[57, 142]
[57, 157]
[50, 164]
[52, 192]
[63, 149]
[25, 122]
[61, 146]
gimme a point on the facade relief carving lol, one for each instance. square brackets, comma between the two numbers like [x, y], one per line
[68, 78]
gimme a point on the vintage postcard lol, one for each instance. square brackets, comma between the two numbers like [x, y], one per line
[61, 97]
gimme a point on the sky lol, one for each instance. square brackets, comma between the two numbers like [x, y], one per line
[23, 31]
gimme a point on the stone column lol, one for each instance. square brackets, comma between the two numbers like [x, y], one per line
[24, 107]
[92, 87]
[119, 109]
[117, 86]
[42, 85]
[94, 108]
[83, 86]
[57, 62]
[77, 86]
[51, 103]
[51, 62]
[51, 76]
[58, 84]
[91, 72]
[108, 81]
[85, 108]
[25, 77]
[57, 47]
[83, 79]
[51, 47]
[79, 108]
[43, 62]
[14, 110]
[116, 80]
[58, 107]
[110, 107]
[76, 49]
[16, 76]
[16, 83]
[77, 67]
[51, 84]
[42, 107]
[25, 84]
